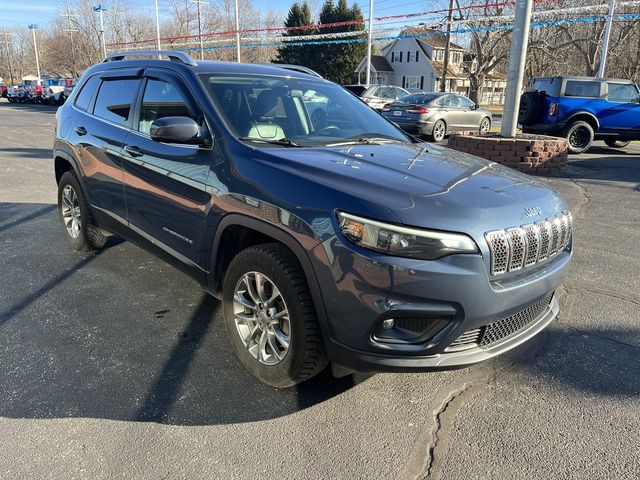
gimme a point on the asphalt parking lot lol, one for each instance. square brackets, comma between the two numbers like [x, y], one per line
[117, 366]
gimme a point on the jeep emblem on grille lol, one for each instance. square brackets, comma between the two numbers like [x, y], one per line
[532, 212]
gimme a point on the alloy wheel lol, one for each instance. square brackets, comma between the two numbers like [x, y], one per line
[579, 137]
[261, 318]
[485, 125]
[71, 214]
[439, 131]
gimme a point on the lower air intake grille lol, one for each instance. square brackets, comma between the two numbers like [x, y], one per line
[493, 332]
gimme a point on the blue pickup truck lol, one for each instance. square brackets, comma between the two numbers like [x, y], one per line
[582, 109]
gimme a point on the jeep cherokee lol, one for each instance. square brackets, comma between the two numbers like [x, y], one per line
[346, 241]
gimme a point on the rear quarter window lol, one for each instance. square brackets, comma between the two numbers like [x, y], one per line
[578, 88]
[86, 94]
[550, 86]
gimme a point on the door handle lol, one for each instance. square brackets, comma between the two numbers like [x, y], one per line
[133, 150]
[80, 131]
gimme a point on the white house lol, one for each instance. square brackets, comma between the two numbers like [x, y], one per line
[417, 63]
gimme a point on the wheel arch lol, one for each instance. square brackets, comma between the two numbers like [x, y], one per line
[236, 231]
[588, 117]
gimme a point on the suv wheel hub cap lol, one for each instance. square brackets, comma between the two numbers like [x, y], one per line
[71, 211]
[262, 318]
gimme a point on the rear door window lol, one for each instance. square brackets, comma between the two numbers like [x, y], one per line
[465, 102]
[623, 93]
[115, 98]
[578, 88]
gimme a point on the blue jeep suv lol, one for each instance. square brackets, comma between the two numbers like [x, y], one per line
[344, 241]
[582, 109]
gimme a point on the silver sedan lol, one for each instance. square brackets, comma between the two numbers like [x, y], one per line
[438, 114]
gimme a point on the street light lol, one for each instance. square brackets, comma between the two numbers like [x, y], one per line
[100, 9]
[33, 27]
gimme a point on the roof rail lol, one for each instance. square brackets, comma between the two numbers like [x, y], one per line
[173, 55]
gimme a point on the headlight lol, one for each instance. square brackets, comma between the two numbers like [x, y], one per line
[403, 241]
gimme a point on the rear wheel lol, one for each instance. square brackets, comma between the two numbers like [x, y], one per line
[75, 216]
[616, 143]
[579, 135]
[438, 132]
[270, 316]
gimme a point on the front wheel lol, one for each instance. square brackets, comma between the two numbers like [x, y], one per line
[75, 216]
[579, 135]
[438, 132]
[616, 143]
[270, 316]
[485, 125]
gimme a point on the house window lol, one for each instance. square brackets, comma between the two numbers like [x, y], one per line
[410, 57]
[438, 55]
[455, 57]
[413, 82]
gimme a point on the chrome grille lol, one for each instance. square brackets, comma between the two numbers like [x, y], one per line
[488, 334]
[518, 247]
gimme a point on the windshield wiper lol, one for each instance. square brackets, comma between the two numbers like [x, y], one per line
[283, 142]
[365, 141]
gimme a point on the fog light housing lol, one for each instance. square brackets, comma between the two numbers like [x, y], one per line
[388, 323]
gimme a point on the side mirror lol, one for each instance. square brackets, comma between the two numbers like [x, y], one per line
[475, 106]
[175, 130]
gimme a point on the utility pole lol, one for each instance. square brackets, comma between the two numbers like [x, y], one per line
[445, 63]
[33, 27]
[605, 44]
[370, 41]
[71, 30]
[517, 57]
[237, 33]
[157, 26]
[101, 9]
[198, 2]
[8, 53]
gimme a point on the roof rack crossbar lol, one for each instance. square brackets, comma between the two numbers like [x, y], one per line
[173, 55]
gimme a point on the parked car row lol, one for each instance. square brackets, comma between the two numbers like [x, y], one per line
[48, 91]
[433, 114]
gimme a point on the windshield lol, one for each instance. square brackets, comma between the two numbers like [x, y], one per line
[304, 112]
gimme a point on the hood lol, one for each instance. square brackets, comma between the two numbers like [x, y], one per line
[426, 185]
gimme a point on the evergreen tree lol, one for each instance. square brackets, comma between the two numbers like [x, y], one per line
[337, 62]
[299, 15]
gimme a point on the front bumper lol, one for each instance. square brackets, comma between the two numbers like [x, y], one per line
[450, 296]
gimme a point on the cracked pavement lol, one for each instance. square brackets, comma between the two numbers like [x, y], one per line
[117, 366]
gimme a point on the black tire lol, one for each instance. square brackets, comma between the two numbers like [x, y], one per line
[579, 135]
[616, 143]
[89, 237]
[439, 131]
[306, 354]
[531, 104]
[61, 99]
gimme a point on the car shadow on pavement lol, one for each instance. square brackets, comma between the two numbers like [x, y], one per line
[586, 362]
[121, 335]
[603, 163]
[30, 153]
[38, 107]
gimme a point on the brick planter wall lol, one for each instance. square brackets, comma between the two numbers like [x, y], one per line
[526, 153]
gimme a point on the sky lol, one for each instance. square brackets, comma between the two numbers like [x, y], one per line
[20, 12]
